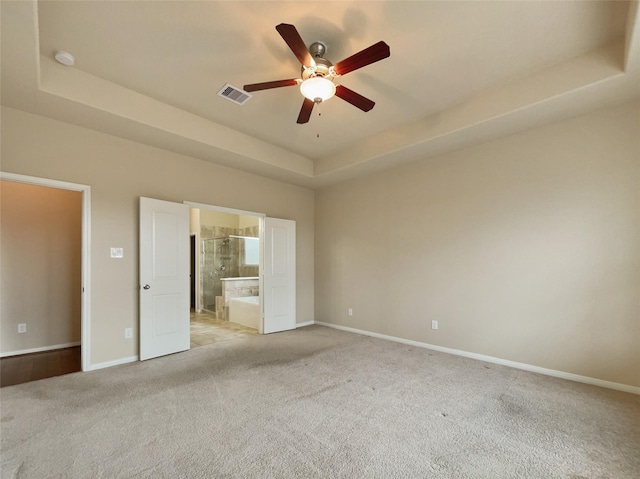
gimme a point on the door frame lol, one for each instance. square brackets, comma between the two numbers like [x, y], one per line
[85, 296]
[234, 211]
[193, 258]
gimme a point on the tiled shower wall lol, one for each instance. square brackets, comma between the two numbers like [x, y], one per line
[230, 255]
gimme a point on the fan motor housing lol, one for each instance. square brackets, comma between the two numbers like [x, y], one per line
[323, 67]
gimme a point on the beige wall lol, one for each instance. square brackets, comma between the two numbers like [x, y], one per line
[525, 248]
[119, 171]
[194, 222]
[218, 218]
[247, 221]
[41, 238]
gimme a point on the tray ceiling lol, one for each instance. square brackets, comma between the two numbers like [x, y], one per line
[459, 73]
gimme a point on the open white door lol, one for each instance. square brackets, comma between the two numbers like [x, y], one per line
[279, 285]
[164, 278]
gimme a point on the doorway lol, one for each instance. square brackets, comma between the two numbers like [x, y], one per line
[54, 238]
[226, 267]
[164, 269]
[192, 271]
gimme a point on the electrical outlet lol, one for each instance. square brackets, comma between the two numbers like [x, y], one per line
[350, 312]
[128, 333]
[434, 324]
[117, 252]
[22, 327]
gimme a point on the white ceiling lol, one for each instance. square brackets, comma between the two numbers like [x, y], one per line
[459, 73]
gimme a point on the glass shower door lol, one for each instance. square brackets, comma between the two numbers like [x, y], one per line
[209, 276]
[216, 264]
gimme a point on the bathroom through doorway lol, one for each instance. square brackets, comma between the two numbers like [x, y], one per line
[225, 283]
[164, 275]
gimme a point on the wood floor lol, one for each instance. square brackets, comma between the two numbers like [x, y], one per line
[31, 367]
[205, 330]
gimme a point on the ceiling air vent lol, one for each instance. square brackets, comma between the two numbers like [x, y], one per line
[236, 95]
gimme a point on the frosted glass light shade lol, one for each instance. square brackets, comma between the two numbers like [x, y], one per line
[317, 89]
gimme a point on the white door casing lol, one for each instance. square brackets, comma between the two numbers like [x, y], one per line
[85, 306]
[164, 278]
[279, 280]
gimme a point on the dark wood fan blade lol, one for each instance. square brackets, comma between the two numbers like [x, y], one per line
[269, 84]
[305, 111]
[356, 99]
[291, 36]
[372, 54]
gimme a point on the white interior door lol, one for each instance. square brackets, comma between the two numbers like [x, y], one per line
[164, 278]
[279, 284]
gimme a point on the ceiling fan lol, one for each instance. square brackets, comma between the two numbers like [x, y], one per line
[318, 74]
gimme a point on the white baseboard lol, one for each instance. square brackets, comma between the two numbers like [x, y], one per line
[302, 325]
[39, 350]
[491, 359]
[115, 362]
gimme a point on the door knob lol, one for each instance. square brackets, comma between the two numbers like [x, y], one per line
[146, 286]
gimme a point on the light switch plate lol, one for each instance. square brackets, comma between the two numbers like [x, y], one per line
[117, 252]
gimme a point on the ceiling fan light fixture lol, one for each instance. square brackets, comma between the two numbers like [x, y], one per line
[317, 89]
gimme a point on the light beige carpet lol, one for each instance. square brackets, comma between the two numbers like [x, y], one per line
[316, 403]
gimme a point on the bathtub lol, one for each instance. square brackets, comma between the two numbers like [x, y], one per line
[245, 310]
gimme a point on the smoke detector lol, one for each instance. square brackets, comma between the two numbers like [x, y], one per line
[66, 58]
